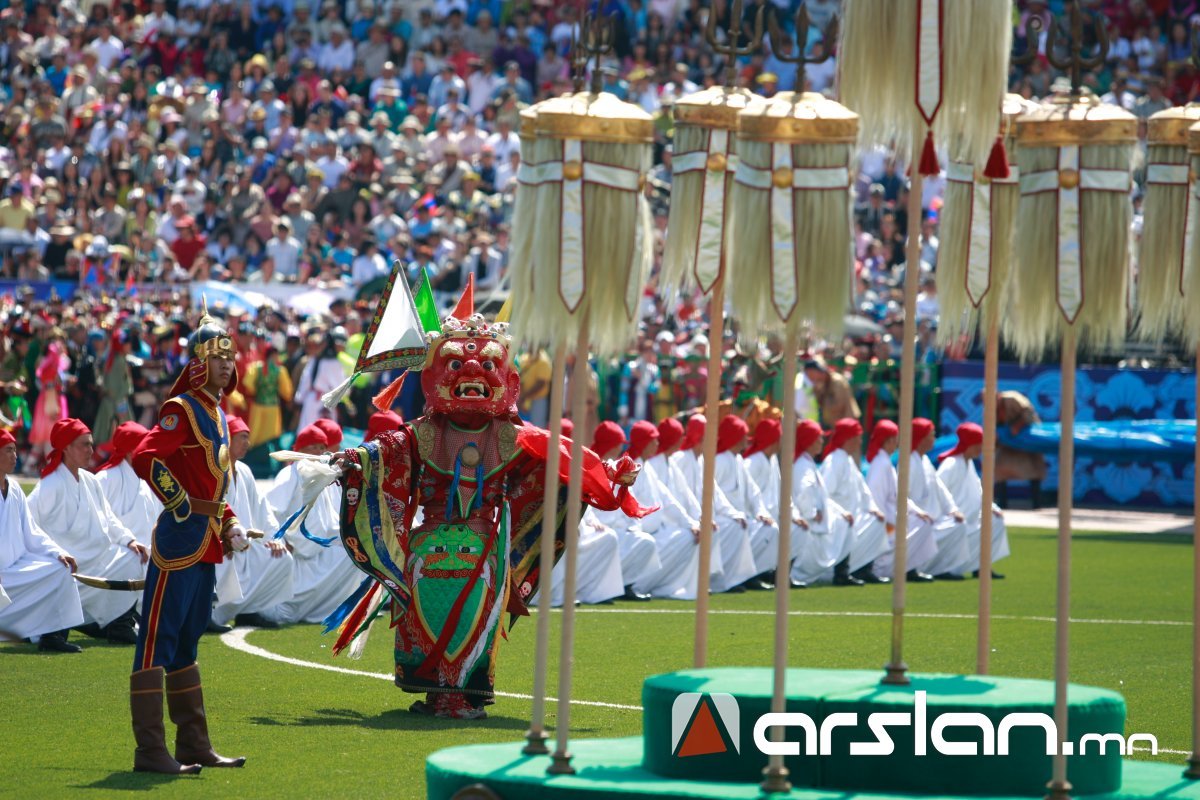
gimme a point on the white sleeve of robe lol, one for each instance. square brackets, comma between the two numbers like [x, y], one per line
[18, 532]
[945, 498]
[114, 527]
[754, 492]
[284, 493]
[131, 500]
[728, 497]
[844, 482]
[671, 515]
[808, 496]
[251, 507]
[959, 477]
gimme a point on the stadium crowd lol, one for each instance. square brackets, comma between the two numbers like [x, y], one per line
[151, 145]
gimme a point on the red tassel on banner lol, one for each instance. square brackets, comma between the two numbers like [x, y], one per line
[929, 163]
[997, 163]
[384, 400]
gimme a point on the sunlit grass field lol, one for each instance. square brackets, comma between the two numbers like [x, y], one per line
[64, 720]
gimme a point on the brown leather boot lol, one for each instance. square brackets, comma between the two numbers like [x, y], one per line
[185, 704]
[146, 707]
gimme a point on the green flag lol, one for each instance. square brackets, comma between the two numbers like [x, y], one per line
[426, 307]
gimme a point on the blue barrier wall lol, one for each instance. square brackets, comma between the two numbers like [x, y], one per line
[1103, 394]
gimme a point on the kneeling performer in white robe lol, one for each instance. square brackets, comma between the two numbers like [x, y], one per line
[732, 477]
[598, 563]
[70, 506]
[931, 496]
[262, 573]
[323, 575]
[825, 554]
[883, 483]
[676, 533]
[130, 497]
[848, 488]
[38, 596]
[957, 473]
[730, 534]
[639, 551]
[761, 462]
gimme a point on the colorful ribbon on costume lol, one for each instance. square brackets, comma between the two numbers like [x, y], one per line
[1179, 175]
[714, 162]
[1068, 181]
[979, 248]
[783, 181]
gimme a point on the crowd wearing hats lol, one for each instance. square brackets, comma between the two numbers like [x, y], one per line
[315, 143]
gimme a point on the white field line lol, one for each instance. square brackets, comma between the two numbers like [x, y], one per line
[236, 639]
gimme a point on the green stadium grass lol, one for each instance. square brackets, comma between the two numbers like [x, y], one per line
[313, 733]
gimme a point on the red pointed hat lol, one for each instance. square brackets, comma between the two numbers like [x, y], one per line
[732, 432]
[62, 434]
[124, 441]
[766, 433]
[6, 438]
[921, 428]
[695, 431]
[332, 431]
[310, 436]
[237, 425]
[807, 432]
[670, 433]
[608, 435]
[843, 431]
[884, 429]
[381, 422]
[640, 435]
[568, 428]
[969, 435]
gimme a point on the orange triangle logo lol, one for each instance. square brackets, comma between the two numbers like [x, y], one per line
[703, 738]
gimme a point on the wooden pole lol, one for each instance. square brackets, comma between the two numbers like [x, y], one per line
[536, 736]
[991, 368]
[561, 760]
[775, 776]
[1193, 770]
[896, 669]
[712, 399]
[1059, 787]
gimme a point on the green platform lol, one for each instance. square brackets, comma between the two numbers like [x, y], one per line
[819, 693]
[612, 768]
[725, 762]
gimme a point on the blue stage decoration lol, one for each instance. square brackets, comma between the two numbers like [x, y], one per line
[1135, 430]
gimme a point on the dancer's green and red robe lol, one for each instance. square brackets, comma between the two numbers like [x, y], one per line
[477, 474]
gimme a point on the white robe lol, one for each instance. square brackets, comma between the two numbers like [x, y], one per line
[671, 526]
[930, 495]
[958, 475]
[77, 516]
[131, 500]
[639, 551]
[598, 570]
[259, 580]
[848, 488]
[764, 473]
[920, 541]
[323, 576]
[730, 539]
[42, 597]
[830, 536]
[329, 375]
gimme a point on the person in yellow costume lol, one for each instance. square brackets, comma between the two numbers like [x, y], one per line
[267, 384]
